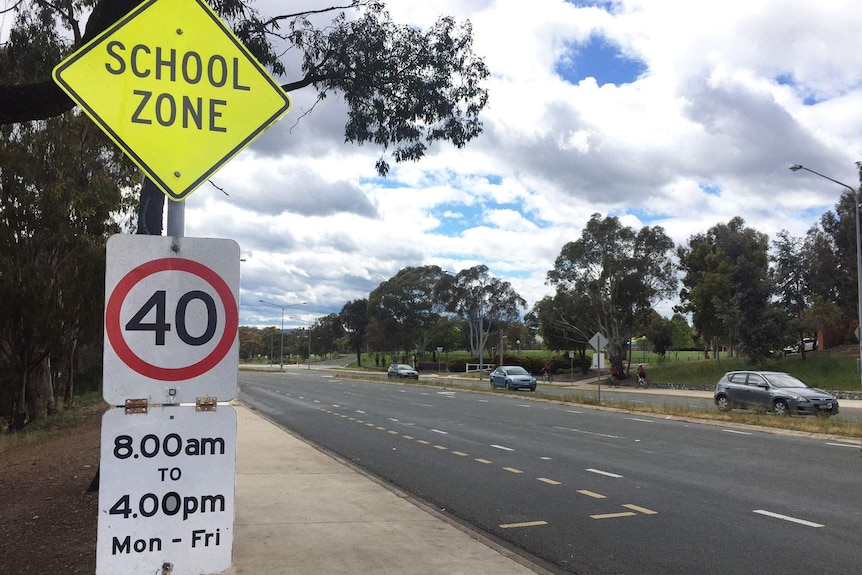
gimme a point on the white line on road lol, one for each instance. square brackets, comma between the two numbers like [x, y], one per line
[359, 411]
[587, 432]
[501, 447]
[854, 446]
[483, 401]
[787, 518]
[573, 411]
[392, 419]
[736, 432]
[639, 419]
[440, 432]
[521, 405]
[605, 473]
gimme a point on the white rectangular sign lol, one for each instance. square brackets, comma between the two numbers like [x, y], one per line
[171, 319]
[166, 491]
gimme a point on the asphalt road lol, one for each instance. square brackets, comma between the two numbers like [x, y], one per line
[588, 490]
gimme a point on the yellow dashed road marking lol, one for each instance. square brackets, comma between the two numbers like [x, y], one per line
[548, 481]
[613, 515]
[643, 510]
[591, 494]
[525, 524]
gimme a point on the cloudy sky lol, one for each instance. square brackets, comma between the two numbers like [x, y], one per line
[676, 113]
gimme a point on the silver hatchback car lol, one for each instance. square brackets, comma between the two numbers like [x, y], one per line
[773, 391]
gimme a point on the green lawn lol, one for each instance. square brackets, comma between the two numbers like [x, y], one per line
[821, 369]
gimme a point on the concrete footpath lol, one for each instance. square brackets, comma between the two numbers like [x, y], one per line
[300, 511]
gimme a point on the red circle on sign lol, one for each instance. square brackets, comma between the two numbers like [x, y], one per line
[130, 358]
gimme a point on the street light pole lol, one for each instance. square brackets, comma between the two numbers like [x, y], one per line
[282, 307]
[796, 167]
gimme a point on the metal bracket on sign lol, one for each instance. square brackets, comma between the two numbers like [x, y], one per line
[136, 406]
[206, 404]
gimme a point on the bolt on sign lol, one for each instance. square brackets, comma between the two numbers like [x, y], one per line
[175, 89]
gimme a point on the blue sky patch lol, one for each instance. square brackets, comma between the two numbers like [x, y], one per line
[808, 98]
[599, 59]
[711, 190]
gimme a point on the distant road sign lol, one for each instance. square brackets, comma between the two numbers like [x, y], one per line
[171, 319]
[598, 341]
[175, 89]
[166, 491]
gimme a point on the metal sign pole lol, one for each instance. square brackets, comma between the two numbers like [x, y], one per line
[176, 219]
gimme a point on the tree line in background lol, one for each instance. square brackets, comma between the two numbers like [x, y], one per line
[742, 293]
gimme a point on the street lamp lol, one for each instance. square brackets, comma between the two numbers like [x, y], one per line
[282, 308]
[796, 167]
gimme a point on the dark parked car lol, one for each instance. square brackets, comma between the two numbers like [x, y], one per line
[773, 391]
[512, 377]
[401, 370]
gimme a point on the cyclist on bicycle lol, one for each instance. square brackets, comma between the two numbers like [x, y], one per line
[546, 372]
[615, 376]
[642, 376]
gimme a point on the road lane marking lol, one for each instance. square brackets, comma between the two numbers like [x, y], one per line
[548, 481]
[360, 411]
[483, 401]
[605, 473]
[522, 405]
[787, 518]
[587, 432]
[512, 470]
[591, 494]
[736, 432]
[573, 411]
[639, 419]
[392, 432]
[524, 524]
[369, 424]
[613, 515]
[459, 453]
[842, 445]
[423, 442]
[380, 428]
[392, 419]
[639, 509]
[441, 447]
[408, 437]
[440, 432]
[501, 447]
[485, 461]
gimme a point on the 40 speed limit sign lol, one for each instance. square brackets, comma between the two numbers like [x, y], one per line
[171, 319]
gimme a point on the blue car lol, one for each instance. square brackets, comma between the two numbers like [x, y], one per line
[512, 377]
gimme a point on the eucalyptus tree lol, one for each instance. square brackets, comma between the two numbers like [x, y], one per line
[60, 183]
[621, 272]
[728, 290]
[789, 273]
[406, 308]
[482, 301]
[354, 318]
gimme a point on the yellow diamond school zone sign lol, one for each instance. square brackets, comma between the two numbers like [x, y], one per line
[175, 89]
